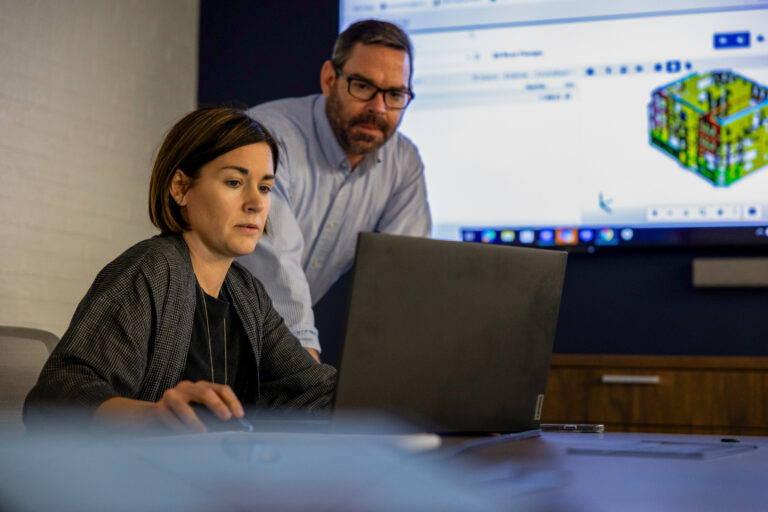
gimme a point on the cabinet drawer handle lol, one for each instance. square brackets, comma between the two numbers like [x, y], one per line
[631, 379]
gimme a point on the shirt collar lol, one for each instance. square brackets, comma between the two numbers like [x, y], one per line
[330, 145]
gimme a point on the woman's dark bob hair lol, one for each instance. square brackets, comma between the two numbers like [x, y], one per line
[199, 137]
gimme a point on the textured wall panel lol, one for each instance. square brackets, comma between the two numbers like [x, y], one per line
[87, 90]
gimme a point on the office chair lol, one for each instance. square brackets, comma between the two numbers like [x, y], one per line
[23, 351]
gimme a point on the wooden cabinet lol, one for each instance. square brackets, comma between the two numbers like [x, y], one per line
[687, 394]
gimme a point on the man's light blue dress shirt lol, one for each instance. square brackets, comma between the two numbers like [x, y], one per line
[320, 204]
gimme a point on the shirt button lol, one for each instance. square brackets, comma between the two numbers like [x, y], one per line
[315, 264]
[331, 225]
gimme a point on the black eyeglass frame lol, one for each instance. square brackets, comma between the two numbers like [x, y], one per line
[384, 92]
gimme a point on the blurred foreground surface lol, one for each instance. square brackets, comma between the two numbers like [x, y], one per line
[79, 469]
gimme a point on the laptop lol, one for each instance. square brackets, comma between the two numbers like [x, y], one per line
[456, 336]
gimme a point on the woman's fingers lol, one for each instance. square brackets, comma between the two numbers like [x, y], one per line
[211, 397]
[230, 400]
[177, 400]
[174, 407]
[166, 416]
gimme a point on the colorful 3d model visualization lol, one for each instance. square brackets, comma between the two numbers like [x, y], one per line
[715, 124]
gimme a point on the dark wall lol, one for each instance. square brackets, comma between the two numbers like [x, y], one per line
[252, 51]
[636, 302]
[643, 302]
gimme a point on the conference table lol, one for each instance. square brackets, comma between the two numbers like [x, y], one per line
[318, 472]
[626, 472]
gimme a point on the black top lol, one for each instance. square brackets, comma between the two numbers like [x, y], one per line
[239, 371]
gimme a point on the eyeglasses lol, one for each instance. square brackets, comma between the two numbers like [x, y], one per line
[364, 90]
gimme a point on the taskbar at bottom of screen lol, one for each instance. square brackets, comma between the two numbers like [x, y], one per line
[617, 236]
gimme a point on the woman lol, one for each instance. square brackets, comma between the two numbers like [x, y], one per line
[174, 321]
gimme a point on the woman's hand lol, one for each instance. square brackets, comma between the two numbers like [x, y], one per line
[174, 410]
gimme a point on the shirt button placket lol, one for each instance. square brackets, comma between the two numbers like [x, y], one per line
[326, 252]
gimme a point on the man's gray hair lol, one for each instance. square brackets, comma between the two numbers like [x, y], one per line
[372, 32]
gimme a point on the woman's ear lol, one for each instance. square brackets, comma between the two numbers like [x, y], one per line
[179, 187]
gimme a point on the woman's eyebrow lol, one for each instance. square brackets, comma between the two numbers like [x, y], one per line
[246, 172]
[237, 168]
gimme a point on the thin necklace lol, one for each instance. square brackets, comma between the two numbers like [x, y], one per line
[210, 347]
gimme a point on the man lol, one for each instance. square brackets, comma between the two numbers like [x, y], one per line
[343, 169]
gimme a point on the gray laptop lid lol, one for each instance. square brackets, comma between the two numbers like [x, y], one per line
[457, 334]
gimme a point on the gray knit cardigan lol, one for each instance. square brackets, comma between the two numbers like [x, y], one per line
[130, 336]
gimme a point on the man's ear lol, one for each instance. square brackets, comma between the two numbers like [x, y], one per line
[327, 77]
[179, 186]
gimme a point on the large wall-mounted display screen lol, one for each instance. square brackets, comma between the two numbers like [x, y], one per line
[589, 122]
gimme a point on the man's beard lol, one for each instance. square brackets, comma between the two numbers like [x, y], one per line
[356, 143]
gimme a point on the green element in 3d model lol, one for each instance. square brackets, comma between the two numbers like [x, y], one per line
[715, 124]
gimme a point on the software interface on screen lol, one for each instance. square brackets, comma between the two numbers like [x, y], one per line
[587, 122]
